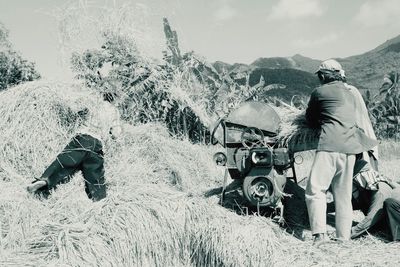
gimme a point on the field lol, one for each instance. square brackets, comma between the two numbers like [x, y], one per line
[157, 212]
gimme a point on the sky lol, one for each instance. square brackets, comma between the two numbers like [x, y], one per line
[47, 31]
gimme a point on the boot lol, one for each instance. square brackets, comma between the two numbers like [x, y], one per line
[320, 238]
[36, 185]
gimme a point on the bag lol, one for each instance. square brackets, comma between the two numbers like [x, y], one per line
[369, 179]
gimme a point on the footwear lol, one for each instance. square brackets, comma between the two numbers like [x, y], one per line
[36, 185]
[340, 240]
[320, 238]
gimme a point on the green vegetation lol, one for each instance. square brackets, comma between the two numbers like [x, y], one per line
[175, 91]
[13, 68]
[384, 109]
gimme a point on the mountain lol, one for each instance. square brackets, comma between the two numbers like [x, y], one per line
[295, 62]
[283, 76]
[221, 66]
[284, 83]
[366, 71]
[273, 63]
[306, 63]
[394, 41]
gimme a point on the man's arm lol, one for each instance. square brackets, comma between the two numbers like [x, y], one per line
[375, 211]
[313, 109]
[362, 116]
[114, 121]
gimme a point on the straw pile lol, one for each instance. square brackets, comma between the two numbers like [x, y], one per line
[37, 120]
[154, 214]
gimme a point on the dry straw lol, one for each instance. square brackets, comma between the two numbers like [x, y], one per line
[154, 214]
[294, 131]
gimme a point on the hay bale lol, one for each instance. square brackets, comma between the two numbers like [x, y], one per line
[150, 155]
[37, 120]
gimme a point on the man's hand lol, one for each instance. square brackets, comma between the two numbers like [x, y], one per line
[392, 183]
[116, 131]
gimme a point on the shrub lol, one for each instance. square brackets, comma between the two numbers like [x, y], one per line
[13, 68]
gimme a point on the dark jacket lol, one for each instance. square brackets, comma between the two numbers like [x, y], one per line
[332, 107]
[370, 202]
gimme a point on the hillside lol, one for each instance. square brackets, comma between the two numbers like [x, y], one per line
[388, 43]
[286, 82]
[295, 62]
[365, 71]
[274, 63]
[275, 77]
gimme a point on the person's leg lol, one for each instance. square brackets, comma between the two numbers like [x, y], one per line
[392, 208]
[342, 192]
[93, 172]
[66, 163]
[322, 172]
[375, 210]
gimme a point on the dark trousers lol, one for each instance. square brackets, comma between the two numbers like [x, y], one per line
[83, 153]
[392, 207]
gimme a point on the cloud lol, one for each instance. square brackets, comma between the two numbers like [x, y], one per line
[296, 9]
[225, 12]
[307, 43]
[378, 13]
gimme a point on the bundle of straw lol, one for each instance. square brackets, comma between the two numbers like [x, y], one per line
[153, 156]
[37, 120]
[294, 132]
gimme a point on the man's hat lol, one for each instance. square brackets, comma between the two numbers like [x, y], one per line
[332, 66]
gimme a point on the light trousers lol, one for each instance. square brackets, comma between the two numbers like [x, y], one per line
[336, 170]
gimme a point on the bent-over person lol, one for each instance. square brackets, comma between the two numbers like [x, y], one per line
[370, 190]
[83, 153]
[392, 211]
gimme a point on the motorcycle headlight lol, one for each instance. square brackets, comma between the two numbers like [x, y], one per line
[262, 158]
[220, 158]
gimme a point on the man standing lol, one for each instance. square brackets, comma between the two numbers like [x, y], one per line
[331, 108]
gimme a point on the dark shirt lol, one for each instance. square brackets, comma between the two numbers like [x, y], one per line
[332, 108]
[371, 204]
